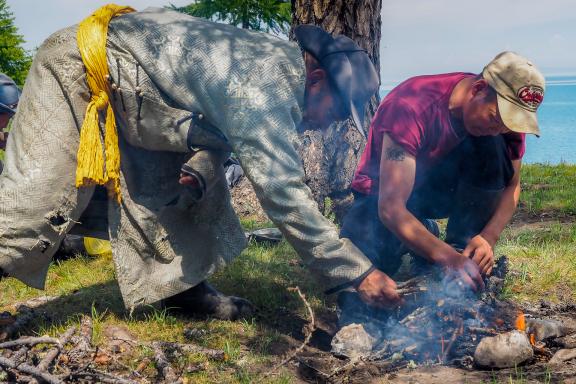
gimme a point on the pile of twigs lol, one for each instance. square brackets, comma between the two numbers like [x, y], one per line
[71, 357]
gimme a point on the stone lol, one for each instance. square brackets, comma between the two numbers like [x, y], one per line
[503, 351]
[562, 355]
[353, 341]
[545, 329]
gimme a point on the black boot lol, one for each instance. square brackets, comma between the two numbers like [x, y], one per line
[473, 208]
[203, 300]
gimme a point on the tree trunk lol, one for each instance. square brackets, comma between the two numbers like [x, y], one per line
[330, 158]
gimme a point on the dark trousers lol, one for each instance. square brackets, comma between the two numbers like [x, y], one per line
[464, 187]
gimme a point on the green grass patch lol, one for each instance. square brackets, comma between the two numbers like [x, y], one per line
[544, 259]
[548, 190]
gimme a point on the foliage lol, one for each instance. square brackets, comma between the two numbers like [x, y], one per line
[14, 59]
[260, 15]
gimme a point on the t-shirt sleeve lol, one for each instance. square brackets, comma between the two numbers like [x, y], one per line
[516, 143]
[399, 121]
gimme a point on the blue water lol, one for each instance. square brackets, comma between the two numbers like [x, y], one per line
[557, 118]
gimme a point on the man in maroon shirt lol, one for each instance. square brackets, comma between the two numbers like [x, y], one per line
[445, 146]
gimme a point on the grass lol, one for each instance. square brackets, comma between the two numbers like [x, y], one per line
[543, 253]
[549, 190]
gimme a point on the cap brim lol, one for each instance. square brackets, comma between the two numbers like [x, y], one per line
[516, 118]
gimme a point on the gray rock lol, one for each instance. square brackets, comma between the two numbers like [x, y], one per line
[503, 351]
[544, 329]
[562, 356]
[353, 341]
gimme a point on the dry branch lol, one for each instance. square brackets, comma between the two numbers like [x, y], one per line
[30, 341]
[30, 370]
[165, 370]
[53, 353]
[83, 343]
[309, 332]
[93, 375]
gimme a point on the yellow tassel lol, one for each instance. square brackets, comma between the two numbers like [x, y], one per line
[98, 165]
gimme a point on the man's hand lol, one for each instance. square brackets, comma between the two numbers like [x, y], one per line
[379, 290]
[464, 270]
[481, 252]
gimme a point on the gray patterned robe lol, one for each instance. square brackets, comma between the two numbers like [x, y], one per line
[249, 88]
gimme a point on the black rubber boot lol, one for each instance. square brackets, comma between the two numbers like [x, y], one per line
[473, 208]
[203, 300]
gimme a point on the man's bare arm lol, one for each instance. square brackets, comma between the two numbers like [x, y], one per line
[505, 208]
[397, 175]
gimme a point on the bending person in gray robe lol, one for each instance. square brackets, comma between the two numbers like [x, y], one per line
[184, 90]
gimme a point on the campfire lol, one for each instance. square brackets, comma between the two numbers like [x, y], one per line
[444, 324]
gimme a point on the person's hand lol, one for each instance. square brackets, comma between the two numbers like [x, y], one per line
[379, 290]
[464, 271]
[481, 252]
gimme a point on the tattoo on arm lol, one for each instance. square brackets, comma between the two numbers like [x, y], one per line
[395, 153]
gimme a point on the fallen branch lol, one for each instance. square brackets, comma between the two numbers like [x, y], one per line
[94, 375]
[30, 341]
[30, 370]
[83, 342]
[309, 332]
[54, 352]
[165, 369]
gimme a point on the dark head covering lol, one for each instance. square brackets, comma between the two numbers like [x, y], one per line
[9, 94]
[348, 67]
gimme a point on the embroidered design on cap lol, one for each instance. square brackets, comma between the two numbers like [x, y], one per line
[531, 95]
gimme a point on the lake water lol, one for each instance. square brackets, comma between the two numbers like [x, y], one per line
[557, 117]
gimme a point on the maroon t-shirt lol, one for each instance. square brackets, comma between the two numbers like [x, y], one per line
[415, 115]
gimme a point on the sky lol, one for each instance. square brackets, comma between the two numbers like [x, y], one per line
[418, 36]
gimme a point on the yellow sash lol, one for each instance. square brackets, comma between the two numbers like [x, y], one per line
[97, 165]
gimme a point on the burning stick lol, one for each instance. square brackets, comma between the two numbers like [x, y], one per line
[486, 331]
[452, 340]
[411, 290]
[416, 314]
[418, 280]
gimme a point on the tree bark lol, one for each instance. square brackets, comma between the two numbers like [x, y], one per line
[330, 158]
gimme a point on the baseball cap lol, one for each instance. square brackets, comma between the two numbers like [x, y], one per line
[520, 90]
[9, 94]
[348, 66]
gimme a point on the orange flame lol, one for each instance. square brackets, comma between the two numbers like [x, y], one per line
[532, 339]
[521, 322]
